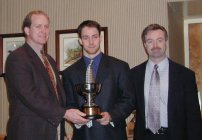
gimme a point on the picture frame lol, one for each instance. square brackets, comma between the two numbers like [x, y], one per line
[68, 49]
[9, 43]
[193, 49]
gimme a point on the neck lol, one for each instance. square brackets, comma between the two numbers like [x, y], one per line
[34, 45]
[157, 60]
[91, 56]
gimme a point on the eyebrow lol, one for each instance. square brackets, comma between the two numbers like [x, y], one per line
[92, 35]
[155, 39]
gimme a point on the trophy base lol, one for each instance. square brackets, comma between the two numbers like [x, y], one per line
[93, 117]
[92, 112]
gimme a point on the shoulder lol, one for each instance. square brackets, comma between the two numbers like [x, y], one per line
[112, 61]
[181, 69]
[19, 53]
[184, 74]
[74, 67]
[139, 67]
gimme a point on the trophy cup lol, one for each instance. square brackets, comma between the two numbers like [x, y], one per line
[88, 90]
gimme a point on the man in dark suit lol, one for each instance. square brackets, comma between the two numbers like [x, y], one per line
[36, 95]
[177, 115]
[114, 98]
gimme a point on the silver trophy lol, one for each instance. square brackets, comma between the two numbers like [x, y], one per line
[89, 90]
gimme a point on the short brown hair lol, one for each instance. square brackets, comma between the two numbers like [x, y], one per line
[28, 19]
[152, 27]
[88, 23]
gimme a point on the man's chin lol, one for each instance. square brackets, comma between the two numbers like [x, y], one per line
[159, 57]
[43, 42]
[93, 52]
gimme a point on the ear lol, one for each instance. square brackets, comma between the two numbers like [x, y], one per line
[80, 42]
[26, 30]
[145, 49]
[144, 44]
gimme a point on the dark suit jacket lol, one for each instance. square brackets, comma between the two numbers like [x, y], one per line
[184, 119]
[35, 111]
[114, 97]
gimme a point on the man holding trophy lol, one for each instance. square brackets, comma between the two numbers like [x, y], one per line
[98, 85]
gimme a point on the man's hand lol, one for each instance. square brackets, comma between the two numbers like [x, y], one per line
[75, 116]
[106, 118]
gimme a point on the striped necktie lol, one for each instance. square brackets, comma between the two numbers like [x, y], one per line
[50, 72]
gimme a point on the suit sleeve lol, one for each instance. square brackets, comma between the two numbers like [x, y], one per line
[193, 114]
[21, 77]
[126, 103]
[71, 101]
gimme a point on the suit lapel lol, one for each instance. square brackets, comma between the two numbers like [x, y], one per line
[103, 69]
[58, 81]
[140, 83]
[172, 89]
[39, 65]
[36, 60]
[81, 67]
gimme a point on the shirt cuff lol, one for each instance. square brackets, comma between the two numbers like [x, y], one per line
[112, 124]
[88, 124]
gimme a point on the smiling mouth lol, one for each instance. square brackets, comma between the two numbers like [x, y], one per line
[91, 47]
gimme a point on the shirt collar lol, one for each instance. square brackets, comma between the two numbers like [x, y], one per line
[96, 59]
[161, 66]
[36, 50]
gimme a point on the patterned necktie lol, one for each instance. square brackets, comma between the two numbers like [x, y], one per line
[89, 73]
[90, 79]
[153, 116]
[50, 71]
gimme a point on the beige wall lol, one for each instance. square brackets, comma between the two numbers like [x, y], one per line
[125, 20]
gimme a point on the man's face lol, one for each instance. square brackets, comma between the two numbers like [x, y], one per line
[155, 45]
[37, 33]
[90, 40]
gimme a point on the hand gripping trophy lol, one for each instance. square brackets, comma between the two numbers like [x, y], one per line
[88, 90]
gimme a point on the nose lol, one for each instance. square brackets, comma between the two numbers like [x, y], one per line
[155, 44]
[91, 40]
[44, 29]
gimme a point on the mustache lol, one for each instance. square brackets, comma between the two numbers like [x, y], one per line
[156, 48]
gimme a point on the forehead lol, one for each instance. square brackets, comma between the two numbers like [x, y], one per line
[39, 18]
[89, 31]
[155, 34]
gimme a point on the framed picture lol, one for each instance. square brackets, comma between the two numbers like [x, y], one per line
[8, 43]
[68, 49]
[193, 50]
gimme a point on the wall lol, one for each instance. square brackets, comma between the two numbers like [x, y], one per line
[175, 22]
[125, 20]
[185, 42]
